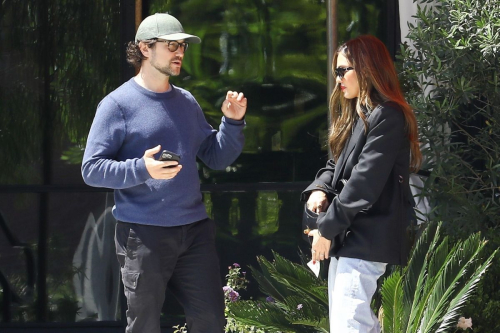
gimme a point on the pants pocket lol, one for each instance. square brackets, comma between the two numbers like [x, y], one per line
[130, 279]
[122, 234]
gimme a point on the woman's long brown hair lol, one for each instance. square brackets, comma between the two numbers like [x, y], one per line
[378, 83]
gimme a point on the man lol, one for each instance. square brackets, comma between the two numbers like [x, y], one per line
[163, 235]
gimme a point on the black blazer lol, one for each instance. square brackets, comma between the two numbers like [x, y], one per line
[375, 206]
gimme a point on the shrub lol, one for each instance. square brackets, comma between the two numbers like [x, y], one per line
[451, 75]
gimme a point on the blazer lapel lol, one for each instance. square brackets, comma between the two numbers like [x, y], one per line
[339, 167]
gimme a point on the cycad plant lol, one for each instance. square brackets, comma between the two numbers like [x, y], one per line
[426, 296]
[430, 292]
[297, 301]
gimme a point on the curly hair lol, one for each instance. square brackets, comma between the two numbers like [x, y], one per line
[134, 54]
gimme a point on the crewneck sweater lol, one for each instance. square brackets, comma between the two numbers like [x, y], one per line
[131, 120]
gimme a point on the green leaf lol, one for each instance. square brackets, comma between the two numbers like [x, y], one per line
[392, 304]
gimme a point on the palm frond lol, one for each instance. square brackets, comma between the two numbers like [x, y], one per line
[290, 285]
[445, 285]
[265, 315]
[322, 326]
[452, 312]
[284, 316]
[297, 279]
[392, 299]
[416, 276]
[435, 287]
[306, 312]
[266, 283]
[436, 262]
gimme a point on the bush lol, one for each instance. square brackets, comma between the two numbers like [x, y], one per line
[451, 77]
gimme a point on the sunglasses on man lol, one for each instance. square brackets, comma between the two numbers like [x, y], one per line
[173, 45]
[340, 71]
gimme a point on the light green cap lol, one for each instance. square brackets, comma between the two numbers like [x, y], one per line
[164, 26]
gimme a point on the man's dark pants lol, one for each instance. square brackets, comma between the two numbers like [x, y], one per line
[182, 258]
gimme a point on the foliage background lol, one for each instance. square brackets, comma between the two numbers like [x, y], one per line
[54, 72]
[451, 75]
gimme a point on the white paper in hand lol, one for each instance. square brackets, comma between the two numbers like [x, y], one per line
[314, 267]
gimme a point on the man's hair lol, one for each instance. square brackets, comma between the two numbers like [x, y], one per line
[134, 54]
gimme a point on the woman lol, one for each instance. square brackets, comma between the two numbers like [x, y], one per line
[373, 140]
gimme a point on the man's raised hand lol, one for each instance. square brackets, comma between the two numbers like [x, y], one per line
[235, 105]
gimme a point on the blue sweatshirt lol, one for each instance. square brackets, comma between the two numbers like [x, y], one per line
[131, 120]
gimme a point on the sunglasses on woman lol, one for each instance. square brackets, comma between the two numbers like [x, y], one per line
[340, 71]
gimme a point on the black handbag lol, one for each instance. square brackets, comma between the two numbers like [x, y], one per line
[309, 222]
[309, 219]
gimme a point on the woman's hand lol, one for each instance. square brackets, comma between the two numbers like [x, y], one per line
[318, 202]
[320, 245]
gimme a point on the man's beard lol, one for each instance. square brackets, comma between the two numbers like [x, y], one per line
[167, 70]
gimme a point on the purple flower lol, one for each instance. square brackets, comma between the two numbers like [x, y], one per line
[234, 296]
[236, 264]
[299, 307]
[231, 294]
[270, 299]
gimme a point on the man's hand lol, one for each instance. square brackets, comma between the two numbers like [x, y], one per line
[317, 202]
[235, 105]
[160, 169]
[320, 246]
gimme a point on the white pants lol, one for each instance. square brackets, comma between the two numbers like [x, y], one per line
[351, 285]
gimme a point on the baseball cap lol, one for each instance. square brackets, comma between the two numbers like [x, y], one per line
[164, 26]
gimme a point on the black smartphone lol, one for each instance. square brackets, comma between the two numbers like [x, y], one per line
[169, 156]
